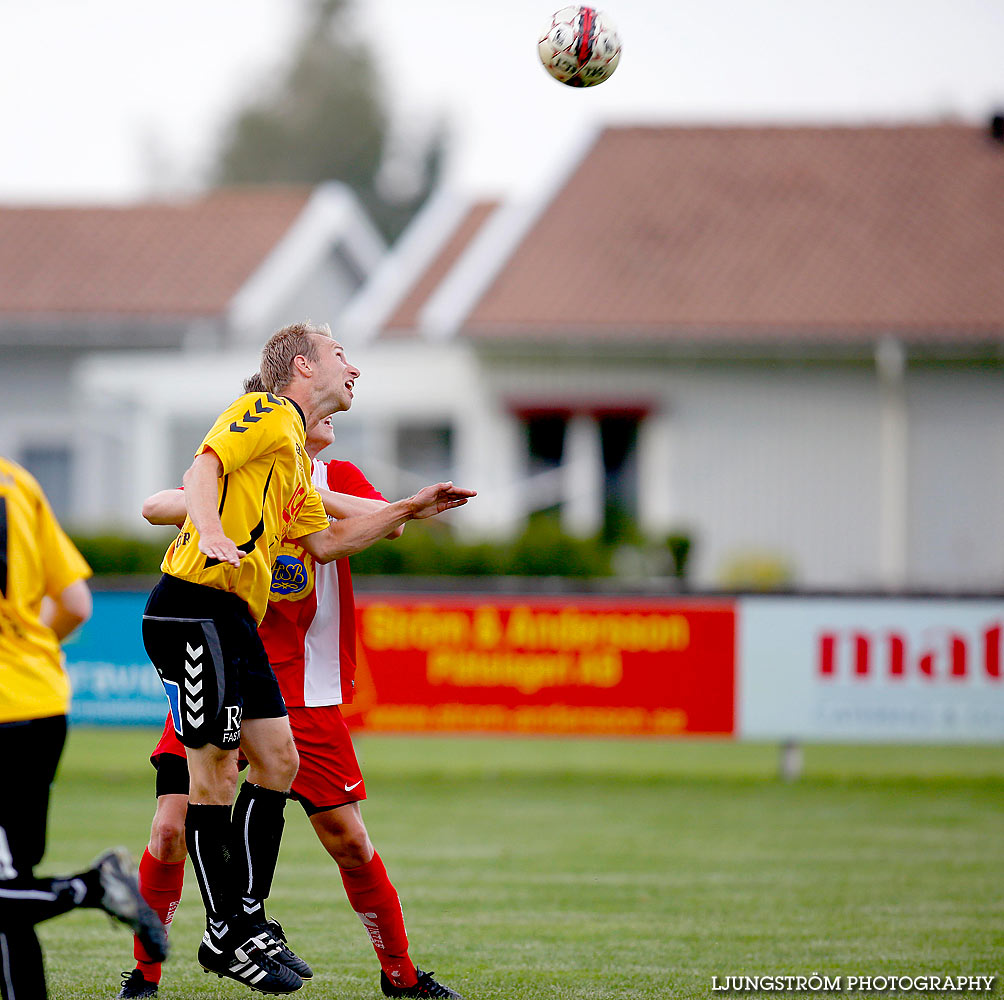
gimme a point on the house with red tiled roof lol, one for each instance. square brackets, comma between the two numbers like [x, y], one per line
[786, 341]
[125, 329]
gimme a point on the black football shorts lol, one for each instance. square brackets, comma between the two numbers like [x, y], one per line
[205, 646]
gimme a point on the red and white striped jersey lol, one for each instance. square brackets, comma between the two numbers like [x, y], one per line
[309, 629]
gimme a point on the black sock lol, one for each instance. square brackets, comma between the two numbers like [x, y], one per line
[256, 832]
[29, 901]
[207, 832]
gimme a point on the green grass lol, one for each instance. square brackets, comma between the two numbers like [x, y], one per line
[594, 869]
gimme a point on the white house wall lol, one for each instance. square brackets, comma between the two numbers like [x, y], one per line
[134, 405]
[751, 459]
[420, 383]
[39, 408]
[780, 464]
[158, 402]
[777, 460]
[956, 484]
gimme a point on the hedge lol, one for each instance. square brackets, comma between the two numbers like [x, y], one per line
[429, 550]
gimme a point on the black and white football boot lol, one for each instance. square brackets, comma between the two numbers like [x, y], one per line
[425, 987]
[278, 949]
[248, 963]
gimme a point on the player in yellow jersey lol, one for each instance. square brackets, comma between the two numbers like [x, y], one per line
[43, 598]
[247, 490]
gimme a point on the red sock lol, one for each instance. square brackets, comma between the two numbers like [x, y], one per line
[160, 884]
[376, 904]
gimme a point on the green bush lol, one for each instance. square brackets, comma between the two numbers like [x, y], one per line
[430, 550]
[426, 549]
[114, 555]
[543, 550]
[680, 546]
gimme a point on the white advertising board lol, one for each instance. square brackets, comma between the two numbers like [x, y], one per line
[906, 670]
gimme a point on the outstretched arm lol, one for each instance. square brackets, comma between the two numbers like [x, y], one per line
[168, 507]
[353, 534]
[349, 505]
[165, 507]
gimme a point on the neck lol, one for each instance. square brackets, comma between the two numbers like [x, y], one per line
[302, 399]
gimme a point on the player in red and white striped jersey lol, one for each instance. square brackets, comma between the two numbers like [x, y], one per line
[309, 635]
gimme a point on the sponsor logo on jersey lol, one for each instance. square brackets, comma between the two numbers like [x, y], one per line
[292, 574]
[295, 504]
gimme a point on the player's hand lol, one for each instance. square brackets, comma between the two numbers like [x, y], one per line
[221, 548]
[432, 500]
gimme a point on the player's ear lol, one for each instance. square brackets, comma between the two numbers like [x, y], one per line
[301, 364]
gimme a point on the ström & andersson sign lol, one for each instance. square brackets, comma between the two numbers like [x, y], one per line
[544, 665]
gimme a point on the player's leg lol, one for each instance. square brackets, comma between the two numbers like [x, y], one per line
[162, 867]
[201, 641]
[36, 746]
[369, 889]
[232, 946]
[258, 816]
[213, 781]
[267, 743]
[193, 636]
[330, 786]
[375, 901]
[258, 823]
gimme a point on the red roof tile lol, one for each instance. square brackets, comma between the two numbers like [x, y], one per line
[184, 258]
[731, 233]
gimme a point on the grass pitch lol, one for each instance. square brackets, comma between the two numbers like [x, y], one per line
[593, 869]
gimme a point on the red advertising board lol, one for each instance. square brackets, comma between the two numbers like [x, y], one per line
[582, 665]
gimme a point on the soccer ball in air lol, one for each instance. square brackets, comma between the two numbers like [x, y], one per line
[580, 47]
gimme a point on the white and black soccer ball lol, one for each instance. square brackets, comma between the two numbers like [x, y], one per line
[580, 47]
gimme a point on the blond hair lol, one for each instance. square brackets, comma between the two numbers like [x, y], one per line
[254, 383]
[283, 346]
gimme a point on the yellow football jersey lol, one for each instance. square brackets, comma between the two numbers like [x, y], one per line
[265, 495]
[36, 559]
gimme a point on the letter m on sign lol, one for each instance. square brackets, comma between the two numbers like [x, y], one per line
[828, 651]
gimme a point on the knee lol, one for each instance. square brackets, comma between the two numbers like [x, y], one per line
[344, 838]
[290, 762]
[214, 782]
[167, 841]
[167, 834]
[353, 850]
[278, 769]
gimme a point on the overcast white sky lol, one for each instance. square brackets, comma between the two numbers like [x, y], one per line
[113, 99]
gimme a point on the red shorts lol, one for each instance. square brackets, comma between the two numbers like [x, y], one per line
[329, 773]
[169, 742]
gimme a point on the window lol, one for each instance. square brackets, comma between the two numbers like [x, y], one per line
[619, 437]
[545, 441]
[616, 482]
